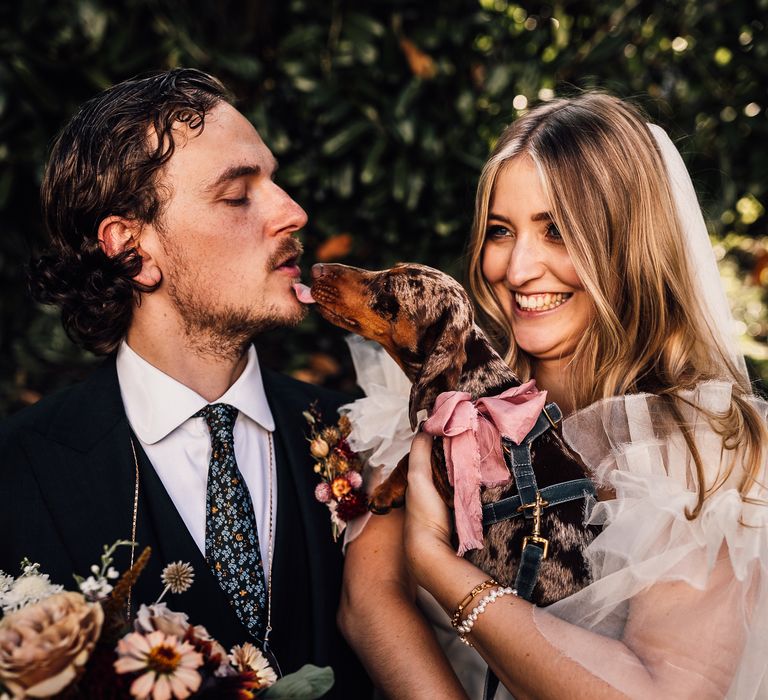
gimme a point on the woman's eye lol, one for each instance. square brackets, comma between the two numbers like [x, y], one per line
[497, 231]
[554, 233]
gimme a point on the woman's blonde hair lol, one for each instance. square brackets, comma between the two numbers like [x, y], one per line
[610, 198]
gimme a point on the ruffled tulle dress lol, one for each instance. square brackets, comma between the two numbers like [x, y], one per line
[688, 597]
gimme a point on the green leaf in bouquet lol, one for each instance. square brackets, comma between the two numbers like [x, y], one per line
[308, 683]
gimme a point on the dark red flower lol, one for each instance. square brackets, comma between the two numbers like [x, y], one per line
[351, 506]
[243, 686]
[99, 679]
[344, 449]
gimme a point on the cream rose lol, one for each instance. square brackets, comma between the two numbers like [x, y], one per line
[42, 646]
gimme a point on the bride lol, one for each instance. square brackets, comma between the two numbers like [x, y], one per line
[591, 269]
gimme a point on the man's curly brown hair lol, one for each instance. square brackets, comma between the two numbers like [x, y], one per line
[107, 161]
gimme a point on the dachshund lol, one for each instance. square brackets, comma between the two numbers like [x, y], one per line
[424, 319]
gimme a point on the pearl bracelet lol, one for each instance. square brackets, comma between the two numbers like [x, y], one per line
[466, 626]
[479, 588]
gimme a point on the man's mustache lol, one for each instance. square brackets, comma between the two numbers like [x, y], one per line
[288, 248]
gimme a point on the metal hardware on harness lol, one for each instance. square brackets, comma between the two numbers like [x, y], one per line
[553, 423]
[509, 507]
[535, 537]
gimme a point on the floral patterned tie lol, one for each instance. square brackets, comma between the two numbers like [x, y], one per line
[231, 538]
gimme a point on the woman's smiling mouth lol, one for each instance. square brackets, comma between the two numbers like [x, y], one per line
[538, 303]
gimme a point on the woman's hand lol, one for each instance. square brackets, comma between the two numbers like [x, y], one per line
[427, 519]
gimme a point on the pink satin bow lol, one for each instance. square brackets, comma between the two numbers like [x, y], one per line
[471, 432]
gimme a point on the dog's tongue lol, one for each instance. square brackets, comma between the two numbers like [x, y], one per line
[303, 293]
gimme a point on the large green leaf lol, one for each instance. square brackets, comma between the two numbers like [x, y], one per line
[308, 683]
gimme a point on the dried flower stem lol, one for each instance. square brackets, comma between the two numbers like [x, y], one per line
[117, 602]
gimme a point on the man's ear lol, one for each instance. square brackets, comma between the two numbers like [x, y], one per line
[118, 235]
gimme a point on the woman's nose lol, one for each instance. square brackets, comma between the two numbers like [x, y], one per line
[525, 262]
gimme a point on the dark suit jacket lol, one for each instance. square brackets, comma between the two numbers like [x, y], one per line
[67, 478]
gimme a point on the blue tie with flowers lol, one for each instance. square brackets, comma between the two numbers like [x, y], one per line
[231, 538]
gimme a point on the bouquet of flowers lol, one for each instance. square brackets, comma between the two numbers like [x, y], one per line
[339, 468]
[80, 644]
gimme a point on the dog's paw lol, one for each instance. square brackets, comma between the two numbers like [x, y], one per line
[378, 510]
[382, 506]
[391, 492]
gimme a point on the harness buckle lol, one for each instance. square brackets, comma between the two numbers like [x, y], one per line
[536, 539]
[538, 507]
[549, 418]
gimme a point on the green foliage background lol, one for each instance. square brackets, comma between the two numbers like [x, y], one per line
[381, 114]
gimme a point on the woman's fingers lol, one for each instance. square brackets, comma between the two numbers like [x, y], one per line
[420, 461]
[426, 514]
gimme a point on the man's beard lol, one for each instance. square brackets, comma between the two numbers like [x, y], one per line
[226, 331]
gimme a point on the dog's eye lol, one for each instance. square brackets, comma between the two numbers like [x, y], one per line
[386, 305]
[385, 301]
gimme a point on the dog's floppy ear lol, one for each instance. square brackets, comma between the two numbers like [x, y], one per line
[444, 360]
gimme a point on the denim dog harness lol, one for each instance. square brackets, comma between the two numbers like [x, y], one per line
[530, 502]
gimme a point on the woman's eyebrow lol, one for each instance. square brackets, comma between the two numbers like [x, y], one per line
[541, 216]
[499, 217]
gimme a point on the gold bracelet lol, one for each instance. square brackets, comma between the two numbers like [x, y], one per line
[479, 588]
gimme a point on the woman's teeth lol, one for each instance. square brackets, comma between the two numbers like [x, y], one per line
[540, 302]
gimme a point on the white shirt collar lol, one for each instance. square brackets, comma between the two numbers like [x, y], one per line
[156, 404]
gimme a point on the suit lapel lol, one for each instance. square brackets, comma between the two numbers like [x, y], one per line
[85, 471]
[305, 553]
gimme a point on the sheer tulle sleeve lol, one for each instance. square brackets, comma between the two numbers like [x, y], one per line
[381, 430]
[687, 598]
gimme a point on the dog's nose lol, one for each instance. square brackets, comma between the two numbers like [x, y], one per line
[318, 271]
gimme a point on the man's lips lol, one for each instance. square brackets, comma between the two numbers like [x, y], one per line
[290, 266]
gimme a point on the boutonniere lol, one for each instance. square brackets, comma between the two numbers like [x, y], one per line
[339, 468]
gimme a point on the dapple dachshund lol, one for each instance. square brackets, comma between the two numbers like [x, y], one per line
[424, 319]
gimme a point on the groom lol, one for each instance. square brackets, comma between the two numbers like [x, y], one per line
[172, 247]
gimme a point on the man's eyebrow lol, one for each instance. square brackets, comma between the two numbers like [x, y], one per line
[233, 173]
[238, 171]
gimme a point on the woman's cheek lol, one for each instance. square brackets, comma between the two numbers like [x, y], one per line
[505, 298]
[567, 272]
[495, 264]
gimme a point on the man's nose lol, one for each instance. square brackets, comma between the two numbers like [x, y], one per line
[291, 216]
